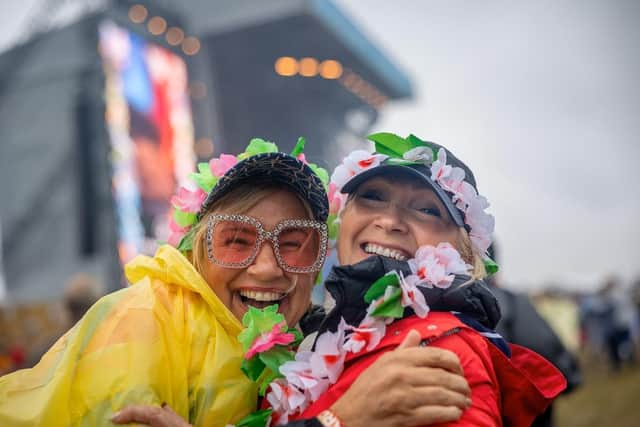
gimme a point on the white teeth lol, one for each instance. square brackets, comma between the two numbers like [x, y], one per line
[370, 248]
[262, 296]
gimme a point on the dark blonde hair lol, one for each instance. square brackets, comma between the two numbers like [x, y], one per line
[471, 257]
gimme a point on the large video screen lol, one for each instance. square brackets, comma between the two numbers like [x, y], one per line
[148, 117]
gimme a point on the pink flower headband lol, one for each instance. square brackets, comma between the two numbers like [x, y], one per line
[220, 173]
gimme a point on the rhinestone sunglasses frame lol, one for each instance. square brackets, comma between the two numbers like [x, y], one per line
[271, 236]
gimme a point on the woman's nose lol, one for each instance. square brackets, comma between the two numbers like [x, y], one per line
[265, 266]
[391, 219]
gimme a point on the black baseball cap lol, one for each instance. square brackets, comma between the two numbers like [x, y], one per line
[421, 173]
[278, 168]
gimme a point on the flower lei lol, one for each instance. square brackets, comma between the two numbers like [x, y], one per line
[302, 378]
[189, 198]
[392, 149]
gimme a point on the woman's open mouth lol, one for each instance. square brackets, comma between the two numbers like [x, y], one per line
[261, 299]
[376, 249]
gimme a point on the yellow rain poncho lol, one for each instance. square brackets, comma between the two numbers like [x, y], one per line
[167, 338]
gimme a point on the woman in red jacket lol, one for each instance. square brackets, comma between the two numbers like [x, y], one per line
[413, 237]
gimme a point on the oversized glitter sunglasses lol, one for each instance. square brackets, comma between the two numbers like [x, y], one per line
[234, 241]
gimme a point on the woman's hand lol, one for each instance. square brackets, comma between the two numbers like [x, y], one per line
[409, 386]
[154, 416]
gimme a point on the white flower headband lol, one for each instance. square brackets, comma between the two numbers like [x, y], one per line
[459, 193]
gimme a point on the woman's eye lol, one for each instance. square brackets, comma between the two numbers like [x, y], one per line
[236, 242]
[291, 244]
[430, 211]
[372, 195]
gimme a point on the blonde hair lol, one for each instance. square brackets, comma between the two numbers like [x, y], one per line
[238, 201]
[471, 257]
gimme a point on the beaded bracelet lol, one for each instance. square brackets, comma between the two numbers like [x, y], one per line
[329, 419]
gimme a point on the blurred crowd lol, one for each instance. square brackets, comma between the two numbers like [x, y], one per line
[610, 323]
[27, 331]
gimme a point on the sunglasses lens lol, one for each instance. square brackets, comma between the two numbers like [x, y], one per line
[233, 242]
[299, 247]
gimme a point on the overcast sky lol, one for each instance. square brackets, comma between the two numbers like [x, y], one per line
[540, 98]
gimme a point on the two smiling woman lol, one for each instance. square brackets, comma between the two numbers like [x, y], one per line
[250, 232]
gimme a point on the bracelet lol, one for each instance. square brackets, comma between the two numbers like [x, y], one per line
[329, 419]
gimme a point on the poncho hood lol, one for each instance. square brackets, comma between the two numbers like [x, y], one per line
[170, 266]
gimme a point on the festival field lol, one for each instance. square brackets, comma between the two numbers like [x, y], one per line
[605, 399]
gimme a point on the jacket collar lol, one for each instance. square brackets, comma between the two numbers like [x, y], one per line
[349, 283]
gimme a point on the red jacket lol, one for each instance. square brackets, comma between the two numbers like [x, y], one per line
[504, 391]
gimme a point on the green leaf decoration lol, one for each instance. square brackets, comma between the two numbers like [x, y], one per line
[256, 322]
[265, 380]
[204, 178]
[321, 172]
[391, 307]
[253, 368]
[395, 161]
[184, 219]
[276, 357]
[186, 244]
[376, 290]
[391, 144]
[298, 337]
[299, 148]
[490, 266]
[417, 142]
[333, 226]
[319, 279]
[258, 146]
[256, 419]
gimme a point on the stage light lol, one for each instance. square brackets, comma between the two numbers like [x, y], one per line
[138, 13]
[174, 36]
[286, 66]
[198, 90]
[157, 25]
[308, 67]
[330, 69]
[359, 87]
[362, 89]
[203, 147]
[191, 45]
[349, 79]
[381, 101]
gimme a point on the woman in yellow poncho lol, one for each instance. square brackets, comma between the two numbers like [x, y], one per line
[171, 336]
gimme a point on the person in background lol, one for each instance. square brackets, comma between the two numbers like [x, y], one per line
[617, 313]
[635, 299]
[80, 293]
[522, 324]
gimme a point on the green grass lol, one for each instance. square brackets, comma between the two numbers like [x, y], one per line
[604, 399]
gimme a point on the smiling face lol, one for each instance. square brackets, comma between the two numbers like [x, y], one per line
[393, 217]
[264, 282]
